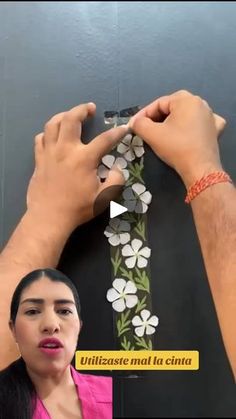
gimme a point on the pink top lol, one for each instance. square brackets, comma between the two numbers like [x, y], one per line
[94, 393]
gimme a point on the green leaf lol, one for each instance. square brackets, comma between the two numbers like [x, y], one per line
[140, 229]
[142, 281]
[150, 345]
[118, 325]
[127, 274]
[123, 323]
[129, 217]
[141, 342]
[130, 181]
[123, 331]
[116, 261]
[135, 170]
[125, 316]
[141, 287]
[141, 304]
[125, 344]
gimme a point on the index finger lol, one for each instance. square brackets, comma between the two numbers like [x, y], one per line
[105, 142]
[71, 123]
[159, 108]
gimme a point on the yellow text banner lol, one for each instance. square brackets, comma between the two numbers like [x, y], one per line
[137, 360]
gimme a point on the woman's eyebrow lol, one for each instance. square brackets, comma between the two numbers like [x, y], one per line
[42, 301]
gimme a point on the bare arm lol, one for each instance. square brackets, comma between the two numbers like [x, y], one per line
[60, 197]
[34, 244]
[214, 213]
[187, 141]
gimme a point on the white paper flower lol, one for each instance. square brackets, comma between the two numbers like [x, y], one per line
[131, 147]
[116, 232]
[136, 198]
[109, 161]
[144, 323]
[136, 254]
[122, 294]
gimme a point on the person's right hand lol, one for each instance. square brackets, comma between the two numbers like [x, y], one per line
[182, 130]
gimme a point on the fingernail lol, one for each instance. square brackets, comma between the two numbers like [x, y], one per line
[117, 167]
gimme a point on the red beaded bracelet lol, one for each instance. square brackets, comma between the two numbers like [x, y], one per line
[205, 182]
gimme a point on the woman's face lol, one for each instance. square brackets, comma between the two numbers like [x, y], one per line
[47, 326]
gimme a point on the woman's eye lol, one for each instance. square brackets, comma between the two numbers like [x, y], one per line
[65, 311]
[31, 312]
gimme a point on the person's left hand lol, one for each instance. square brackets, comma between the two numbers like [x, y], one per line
[65, 184]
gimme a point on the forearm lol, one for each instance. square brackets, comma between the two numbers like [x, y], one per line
[36, 243]
[214, 212]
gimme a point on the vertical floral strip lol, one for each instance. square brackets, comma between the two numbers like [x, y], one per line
[130, 254]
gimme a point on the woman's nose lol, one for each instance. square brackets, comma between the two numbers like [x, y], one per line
[50, 324]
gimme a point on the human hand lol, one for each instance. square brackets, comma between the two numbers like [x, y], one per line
[182, 130]
[65, 184]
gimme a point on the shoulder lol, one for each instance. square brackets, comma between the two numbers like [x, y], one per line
[100, 386]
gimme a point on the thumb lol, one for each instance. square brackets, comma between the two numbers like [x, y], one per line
[109, 190]
[115, 178]
[220, 123]
[148, 130]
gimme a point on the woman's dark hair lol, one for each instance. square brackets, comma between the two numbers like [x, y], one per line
[17, 392]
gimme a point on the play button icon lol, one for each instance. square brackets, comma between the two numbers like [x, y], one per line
[106, 199]
[116, 209]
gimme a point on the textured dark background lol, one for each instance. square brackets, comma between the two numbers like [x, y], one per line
[120, 54]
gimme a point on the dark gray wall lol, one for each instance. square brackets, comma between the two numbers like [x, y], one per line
[118, 54]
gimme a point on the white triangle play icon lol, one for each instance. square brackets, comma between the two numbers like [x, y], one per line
[116, 209]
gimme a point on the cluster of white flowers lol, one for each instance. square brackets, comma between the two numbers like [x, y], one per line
[122, 296]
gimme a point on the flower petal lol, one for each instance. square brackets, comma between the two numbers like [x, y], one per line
[150, 330]
[127, 139]
[114, 240]
[102, 171]
[145, 314]
[124, 226]
[109, 231]
[139, 330]
[141, 208]
[145, 251]
[137, 141]
[127, 250]
[119, 284]
[108, 160]
[138, 188]
[136, 321]
[112, 295]
[119, 305]
[126, 174]
[115, 224]
[121, 162]
[131, 300]
[146, 197]
[128, 194]
[142, 262]
[130, 288]
[139, 151]
[136, 244]
[129, 155]
[153, 321]
[122, 148]
[130, 205]
[124, 238]
[130, 262]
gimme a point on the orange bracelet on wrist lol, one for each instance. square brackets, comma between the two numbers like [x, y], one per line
[205, 182]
